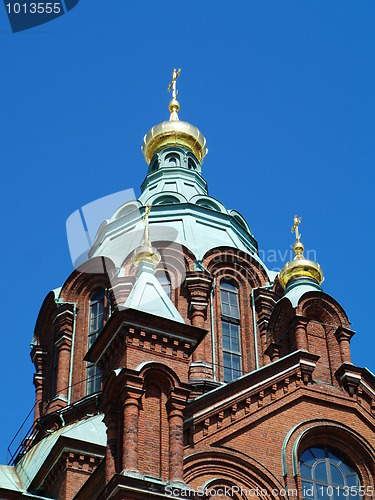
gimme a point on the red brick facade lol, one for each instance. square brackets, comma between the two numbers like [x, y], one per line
[171, 420]
[161, 436]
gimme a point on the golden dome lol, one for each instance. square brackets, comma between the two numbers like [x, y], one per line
[300, 267]
[174, 132]
[146, 252]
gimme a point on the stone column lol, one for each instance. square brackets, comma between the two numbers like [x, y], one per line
[176, 441]
[38, 357]
[301, 333]
[64, 345]
[343, 336]
[64, 321]
[130, 434]
[199, 285]
[273, 351]
[111, 421]
[38, 382]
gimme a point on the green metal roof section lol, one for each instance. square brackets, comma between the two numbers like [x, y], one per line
[182, 212]
[91, 430]
[148, 295]
[298, 287]
[9, 479]
[173, 169]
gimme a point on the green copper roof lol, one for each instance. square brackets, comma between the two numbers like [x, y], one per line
[148, 295]
[298, 287]
[9, 479]
[91, 430]
[182, 212]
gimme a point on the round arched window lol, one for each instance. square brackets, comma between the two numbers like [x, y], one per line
[327, 475]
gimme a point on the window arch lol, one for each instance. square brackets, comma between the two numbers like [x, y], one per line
[191, 164]
[96, 322]
[166, 200]
[173, 160]
[230, 330]
[327, 475]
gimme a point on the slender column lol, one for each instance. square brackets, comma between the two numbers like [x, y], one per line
[111, 421]
[176, 449]
[343, 335]
[64, 327]
[62, 381]
[38, 357]
[273, 351]
[199, 285]
[38, 382]
[130, 436]
[301, 334]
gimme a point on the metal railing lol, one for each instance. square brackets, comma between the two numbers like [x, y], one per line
[24, 437]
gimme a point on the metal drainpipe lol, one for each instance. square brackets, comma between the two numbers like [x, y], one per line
[59, 301]
[255, 328]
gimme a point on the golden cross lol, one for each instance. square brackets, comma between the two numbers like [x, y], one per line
[172, 85]
[146, 237]
[297, 222]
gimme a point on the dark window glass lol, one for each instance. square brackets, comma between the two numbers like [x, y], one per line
[165, 282]
[327, 475]
[173, 160]
[96, 322]
[230, 328]
[191, 164]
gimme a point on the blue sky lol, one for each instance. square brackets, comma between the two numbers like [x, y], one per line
[283, 91]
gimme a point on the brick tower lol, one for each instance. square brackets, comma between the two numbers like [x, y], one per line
[174, 364]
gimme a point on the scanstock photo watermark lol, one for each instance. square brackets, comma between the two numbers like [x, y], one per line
[26, 14]
[234, 492]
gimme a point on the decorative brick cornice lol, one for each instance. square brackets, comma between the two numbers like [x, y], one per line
[350, 377]
[64, 318]
[343, 333]
[265, 301]
[250, 393]
[142, 331]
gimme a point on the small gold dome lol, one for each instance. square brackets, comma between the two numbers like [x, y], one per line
[174, 132]
[300, 267]
[146, 253]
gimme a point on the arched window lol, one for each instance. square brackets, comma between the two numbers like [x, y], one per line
[96, 322]
[165, 282]
[173, 160]
[191, 164]
[230, 328]
[327, 475]
[154, 165]
[166, 200]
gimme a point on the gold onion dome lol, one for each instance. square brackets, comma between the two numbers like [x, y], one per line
[146, 252]
[300, 267]
[174, 132]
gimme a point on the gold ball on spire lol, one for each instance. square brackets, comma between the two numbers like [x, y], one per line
[300, 267]
[174, 132]
[146, 253]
